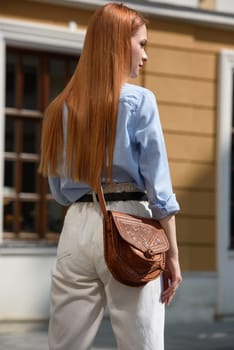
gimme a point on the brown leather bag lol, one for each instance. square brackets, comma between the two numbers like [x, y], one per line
[134, 247]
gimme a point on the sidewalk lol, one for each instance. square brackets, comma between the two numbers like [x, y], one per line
[217, 335]
[190, 336]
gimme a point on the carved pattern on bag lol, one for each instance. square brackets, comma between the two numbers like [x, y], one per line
[146, 235]
[142, 235]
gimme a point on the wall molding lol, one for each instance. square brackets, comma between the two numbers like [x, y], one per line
[23, 33]
[160, 10]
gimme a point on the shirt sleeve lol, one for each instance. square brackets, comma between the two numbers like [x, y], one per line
[153, 162]
[55, 188]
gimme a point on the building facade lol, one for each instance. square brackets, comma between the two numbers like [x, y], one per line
[190, 70]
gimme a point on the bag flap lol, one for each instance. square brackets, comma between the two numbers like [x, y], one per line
[145, 234]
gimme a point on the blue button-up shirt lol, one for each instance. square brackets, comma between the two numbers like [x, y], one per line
[139, 157]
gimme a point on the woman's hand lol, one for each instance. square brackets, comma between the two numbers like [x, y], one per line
[171, 279]
[172, 274]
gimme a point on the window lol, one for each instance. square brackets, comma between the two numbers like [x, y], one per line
[225, 159]
[225, 182]
[33, 79]
[232, 172]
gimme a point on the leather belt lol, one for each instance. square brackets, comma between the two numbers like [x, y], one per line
[116, 196]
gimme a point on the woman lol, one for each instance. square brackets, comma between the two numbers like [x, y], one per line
[101, 127]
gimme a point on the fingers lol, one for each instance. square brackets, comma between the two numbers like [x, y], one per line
[168, 296]
[170, 288]
[165, 281]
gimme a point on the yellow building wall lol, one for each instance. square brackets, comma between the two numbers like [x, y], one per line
[207, 4]
[182, 72]
[44, 13]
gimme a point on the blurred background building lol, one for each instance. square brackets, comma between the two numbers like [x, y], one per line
[190, 69]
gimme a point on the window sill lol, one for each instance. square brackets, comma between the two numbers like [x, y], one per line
[28, 248]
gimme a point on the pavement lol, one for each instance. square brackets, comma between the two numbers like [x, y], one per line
[216, 335]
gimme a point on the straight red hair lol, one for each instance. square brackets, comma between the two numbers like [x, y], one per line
[91, 97]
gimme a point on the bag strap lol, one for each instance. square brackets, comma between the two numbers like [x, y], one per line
[102, 203]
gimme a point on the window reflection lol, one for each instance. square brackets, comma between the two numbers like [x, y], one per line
[28, 217]
[31, 137]
[9, 135]
[9, 180]
[31, 82]
[72, 67]
[29, 177]
[57, 74]
[11, 80]
[8, 216]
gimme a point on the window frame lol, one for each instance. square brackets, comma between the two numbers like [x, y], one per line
[50, 38]
[225, 255]
[19, 114]
[224, 147]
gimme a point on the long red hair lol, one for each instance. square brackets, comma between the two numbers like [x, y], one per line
[92, 97]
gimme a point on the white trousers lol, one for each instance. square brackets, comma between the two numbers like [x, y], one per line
[82, 286]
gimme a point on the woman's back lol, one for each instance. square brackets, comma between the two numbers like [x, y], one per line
[100, 127]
